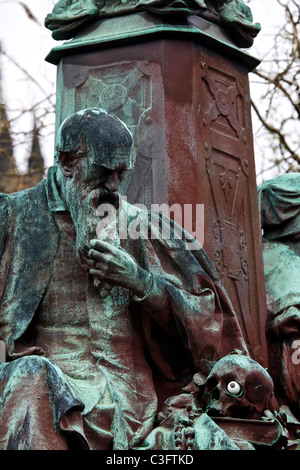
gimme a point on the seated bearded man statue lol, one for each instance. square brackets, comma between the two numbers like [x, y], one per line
[98, 332]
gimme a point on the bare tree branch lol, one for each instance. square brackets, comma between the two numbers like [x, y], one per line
[278, 106]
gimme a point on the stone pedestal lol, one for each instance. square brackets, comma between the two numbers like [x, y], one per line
[182, 88]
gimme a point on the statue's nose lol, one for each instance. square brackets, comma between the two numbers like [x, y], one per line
[112, 182]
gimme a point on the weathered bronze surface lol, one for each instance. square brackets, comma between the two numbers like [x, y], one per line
[98, 365]
[68, 17]
[279, 200]
[149, 340]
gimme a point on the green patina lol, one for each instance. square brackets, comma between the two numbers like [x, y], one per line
[68, 18]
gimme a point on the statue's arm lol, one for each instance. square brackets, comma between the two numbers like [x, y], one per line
[170, 304]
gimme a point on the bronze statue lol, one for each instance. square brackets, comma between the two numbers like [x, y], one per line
[69, 16]
[279, 200]
[88, 368]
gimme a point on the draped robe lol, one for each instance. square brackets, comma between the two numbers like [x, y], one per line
[88, 371]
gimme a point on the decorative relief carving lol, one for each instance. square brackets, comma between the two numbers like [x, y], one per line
[223, 103]
[223, 111]
[113, 97]
[123, 89]
[223, 124]
[228, 182]
[126, 90]
[230, 250]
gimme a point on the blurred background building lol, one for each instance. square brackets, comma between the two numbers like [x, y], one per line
[10, 178]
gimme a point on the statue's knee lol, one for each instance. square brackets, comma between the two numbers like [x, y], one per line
[30, 365]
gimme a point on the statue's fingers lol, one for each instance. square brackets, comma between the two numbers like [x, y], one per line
[96, 255]
[97, 272]
[101, 245]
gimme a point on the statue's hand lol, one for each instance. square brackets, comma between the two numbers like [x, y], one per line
[113, 265]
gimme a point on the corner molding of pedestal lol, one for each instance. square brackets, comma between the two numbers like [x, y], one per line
[128, 29]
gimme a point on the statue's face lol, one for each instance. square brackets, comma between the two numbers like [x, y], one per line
[236, 10]
[95, 176]
[90, 184]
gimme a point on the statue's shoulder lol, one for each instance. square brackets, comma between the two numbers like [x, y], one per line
[3, 211]
[281, 264]
[3, 199]
[277, 251]
[21, 199]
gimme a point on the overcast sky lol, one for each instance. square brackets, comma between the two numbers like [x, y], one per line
[27, 42]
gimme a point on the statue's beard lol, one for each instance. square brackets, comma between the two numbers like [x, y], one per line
[83, 207]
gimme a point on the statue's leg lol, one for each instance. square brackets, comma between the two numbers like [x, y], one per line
[34, 402]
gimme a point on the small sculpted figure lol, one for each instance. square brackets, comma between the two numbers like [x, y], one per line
[279, 200]
[69, 16]
[225, 391]
[100, 329]
[238, 19]
[239, 387]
